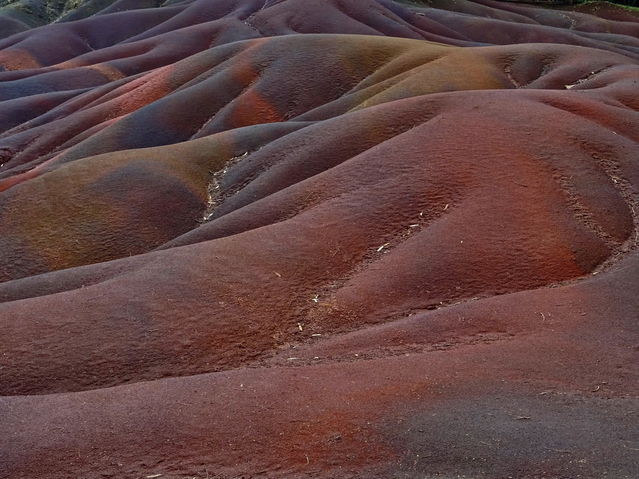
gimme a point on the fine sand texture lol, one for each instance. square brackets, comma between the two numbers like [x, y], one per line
[365, 239]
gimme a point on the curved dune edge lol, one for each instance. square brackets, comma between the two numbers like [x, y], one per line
[319, 239]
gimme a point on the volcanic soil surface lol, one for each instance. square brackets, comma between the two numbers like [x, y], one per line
[318, 239]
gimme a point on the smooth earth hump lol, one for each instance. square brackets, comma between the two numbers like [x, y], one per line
[318, 239]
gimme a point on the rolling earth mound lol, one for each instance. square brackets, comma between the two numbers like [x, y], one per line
[318, 239]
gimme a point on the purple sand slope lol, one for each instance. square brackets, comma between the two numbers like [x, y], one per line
[319, 239]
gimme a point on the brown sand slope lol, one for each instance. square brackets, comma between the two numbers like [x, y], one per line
[336, 238]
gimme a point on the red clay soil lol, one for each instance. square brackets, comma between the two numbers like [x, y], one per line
[320, 239]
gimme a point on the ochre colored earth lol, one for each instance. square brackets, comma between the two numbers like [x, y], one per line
[318, 239]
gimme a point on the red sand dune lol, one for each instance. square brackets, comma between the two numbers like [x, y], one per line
[336, 238]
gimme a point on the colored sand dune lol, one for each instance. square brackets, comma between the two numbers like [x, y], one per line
[318, 238]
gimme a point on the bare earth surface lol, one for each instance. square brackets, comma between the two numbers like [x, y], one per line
[318, 239]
